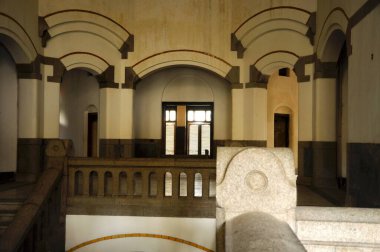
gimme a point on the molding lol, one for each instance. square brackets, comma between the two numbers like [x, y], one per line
[312, 24]
[106, 79]
[131, 78]
[233, 77]
[30, 71]
[256, 78]
[299, 67]
[58, 69]
[237, 46]
[325, 70]
[43, 31]
[362, 12]
[128, 46]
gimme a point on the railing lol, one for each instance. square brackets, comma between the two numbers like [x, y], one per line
[39, 225]
[147, 187]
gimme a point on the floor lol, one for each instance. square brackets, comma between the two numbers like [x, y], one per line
[308, 196]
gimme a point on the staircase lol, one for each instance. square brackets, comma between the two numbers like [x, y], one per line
[12, 197]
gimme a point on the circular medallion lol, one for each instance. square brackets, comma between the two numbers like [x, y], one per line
[256, 181]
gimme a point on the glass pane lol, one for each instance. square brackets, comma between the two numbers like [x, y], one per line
[167, 118]
[208, 115]
[193, 139]
[198, 185]
[200, 115]
[190, 115]
[172, 115]
[168, 184]
[205, 141]
[169, 138]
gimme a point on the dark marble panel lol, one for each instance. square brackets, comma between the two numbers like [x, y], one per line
[305, 159]
[364, 174]
[324, 164]
[147, 147]
[29, 158]
[116, 148]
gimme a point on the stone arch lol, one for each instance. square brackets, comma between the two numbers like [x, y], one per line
[179, 58]
[17, 41]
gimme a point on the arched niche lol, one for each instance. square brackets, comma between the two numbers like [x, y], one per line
[178, 84]
[282, 111]
[79, 111]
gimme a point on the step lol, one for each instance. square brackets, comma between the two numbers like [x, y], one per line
[10, 205]
[7, 215]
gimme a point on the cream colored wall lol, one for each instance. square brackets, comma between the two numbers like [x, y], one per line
[363, 81]
[255, 114]
[8, 112]
[82, 228]
[325, 110]
[180, 85]
[283, 99]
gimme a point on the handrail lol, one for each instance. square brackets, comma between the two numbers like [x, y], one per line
[26, 222]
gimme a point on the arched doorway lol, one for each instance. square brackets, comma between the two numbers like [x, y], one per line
[8, 112]
[79, 112]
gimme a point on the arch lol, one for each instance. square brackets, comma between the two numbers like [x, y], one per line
[181, 57]
[337, 19]
[91, 62]
[84, 25]
[272, 61]
[78, 183]
[333, 45]
[153, 184]
[183, 184]
[108, 184]
[168, 184]
[123, 186]
[93, 177]
[17, 41]
[198, 185]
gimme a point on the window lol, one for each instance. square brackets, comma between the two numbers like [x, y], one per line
[187, 128]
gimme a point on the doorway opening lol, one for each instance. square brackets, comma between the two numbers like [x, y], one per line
[281, 130]
[92, 134]
[187, 129]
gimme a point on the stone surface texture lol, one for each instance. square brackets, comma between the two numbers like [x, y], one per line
[256, 179]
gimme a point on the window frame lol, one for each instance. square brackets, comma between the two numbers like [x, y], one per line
[189, 106]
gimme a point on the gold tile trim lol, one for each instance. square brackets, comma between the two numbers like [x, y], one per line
[158, 236]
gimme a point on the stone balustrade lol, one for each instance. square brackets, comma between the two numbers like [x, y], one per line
[142, 187]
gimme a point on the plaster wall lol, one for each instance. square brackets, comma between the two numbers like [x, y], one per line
[180, 85]
[363, 81]
[8, 112]
[84, 228]
[79, 91]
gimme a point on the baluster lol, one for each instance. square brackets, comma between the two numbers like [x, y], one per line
[160, 184]
[205, 184]
[175, 183]
[86, 182]
[130, 175]
[72, 182]
[101, 183]
[190, 184]
[145, 183]
[115, 180]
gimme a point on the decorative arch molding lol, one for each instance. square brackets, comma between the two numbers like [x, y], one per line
[17, 40]
[82, 22]
[281, 18]
[90, 61]
[182, 57]
[337, 19]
